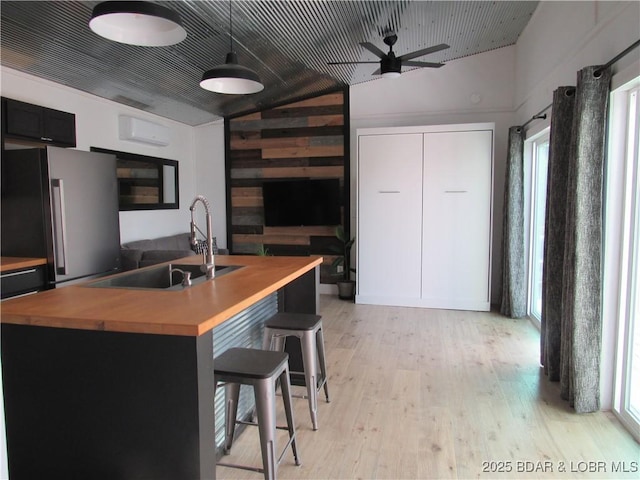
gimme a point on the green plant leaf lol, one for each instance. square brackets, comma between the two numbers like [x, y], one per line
[340, 234]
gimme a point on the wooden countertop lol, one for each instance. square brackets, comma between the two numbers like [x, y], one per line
[190, 312]
[8, 264]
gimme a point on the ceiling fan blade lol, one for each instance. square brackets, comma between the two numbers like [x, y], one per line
[422, 64]
[349, 63]
[424, 51]
[373, 49]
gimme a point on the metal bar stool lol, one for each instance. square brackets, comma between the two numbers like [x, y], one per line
[262, 370]
[308, 328]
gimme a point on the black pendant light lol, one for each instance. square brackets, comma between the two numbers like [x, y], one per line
[137, 23]
[231, 78]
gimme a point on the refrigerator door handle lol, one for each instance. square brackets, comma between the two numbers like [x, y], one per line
[59, 226]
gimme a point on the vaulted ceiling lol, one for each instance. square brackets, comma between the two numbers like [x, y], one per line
[288, 43]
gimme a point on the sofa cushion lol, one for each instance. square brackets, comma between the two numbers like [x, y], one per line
[180, 241]
[130, 258]
[142, 253]
[152, 257]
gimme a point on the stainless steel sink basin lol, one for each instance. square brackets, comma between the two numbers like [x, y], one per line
[161, 277]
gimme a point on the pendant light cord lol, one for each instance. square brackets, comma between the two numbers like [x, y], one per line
[230, 29]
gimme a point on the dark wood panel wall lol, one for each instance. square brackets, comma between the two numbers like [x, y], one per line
[307, 139]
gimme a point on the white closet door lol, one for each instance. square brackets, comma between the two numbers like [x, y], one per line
[457, 219]
[389, 218]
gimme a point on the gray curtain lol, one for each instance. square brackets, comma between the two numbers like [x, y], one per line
[580, 328]
[514, 292]
[555, 221]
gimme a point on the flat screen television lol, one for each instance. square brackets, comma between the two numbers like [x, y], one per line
[293, 203]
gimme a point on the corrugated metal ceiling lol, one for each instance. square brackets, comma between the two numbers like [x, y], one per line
[288, 43]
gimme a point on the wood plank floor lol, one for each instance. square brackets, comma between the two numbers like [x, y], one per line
[420, 394]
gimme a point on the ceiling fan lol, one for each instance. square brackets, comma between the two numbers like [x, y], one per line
[390, 65]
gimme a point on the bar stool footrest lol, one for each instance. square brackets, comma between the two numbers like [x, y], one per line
[255, 424]
[323, 382]
[241, 467]
[261, 470]
[291, 439]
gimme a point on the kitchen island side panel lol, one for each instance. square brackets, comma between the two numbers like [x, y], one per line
[107, 405]
[302, 295]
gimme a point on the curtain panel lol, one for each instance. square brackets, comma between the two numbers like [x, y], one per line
[514, 290]
[575, 324]
[555, 227]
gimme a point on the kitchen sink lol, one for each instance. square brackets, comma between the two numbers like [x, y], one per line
[162, 277]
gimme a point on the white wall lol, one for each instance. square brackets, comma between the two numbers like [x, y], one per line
[474, 89]
[562, 38]
[97, 125]
[210, 167]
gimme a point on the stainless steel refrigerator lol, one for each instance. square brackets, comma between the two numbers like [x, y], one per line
[61, 204]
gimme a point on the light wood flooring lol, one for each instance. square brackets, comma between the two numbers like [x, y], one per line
[422, 394]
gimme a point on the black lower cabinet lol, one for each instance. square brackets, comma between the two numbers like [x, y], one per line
[22, 281]
[83, 404]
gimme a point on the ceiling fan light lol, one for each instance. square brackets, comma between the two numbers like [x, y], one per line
[231, 78]
[390, 66]
[137, 23]
[390, 74]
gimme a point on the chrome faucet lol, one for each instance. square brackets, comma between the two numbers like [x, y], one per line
[207, 256]
[186, 276]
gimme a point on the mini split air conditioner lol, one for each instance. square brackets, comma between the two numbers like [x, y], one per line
[143, 131]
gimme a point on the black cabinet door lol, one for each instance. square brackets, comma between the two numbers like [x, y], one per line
[23, 119]
[24, 200]
[60, 127]
[44, 125]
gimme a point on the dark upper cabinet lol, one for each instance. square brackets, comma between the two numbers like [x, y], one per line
[60, 127]
[24, 121]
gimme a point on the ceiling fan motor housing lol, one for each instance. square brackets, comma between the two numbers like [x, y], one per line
[390, 63]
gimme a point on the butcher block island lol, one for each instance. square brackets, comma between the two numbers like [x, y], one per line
[107, 381]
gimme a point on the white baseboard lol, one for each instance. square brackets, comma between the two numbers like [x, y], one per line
[445, 304]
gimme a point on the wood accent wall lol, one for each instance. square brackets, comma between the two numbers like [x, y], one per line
[306, 139]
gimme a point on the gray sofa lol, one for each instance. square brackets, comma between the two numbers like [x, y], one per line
[142, 253]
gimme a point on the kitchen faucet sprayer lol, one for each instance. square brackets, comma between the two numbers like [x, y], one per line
[207, 255]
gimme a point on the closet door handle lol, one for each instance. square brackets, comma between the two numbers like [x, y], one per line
[388, 191]
[455, 191]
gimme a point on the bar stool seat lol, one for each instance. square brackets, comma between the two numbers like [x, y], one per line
[263, 370]
[308, 328]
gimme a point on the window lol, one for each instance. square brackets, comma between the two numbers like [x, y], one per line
[629, 341]
[539, 154]
[622, 249]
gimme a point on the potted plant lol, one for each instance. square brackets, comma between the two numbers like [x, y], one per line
[262, 251]
[341, 266]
